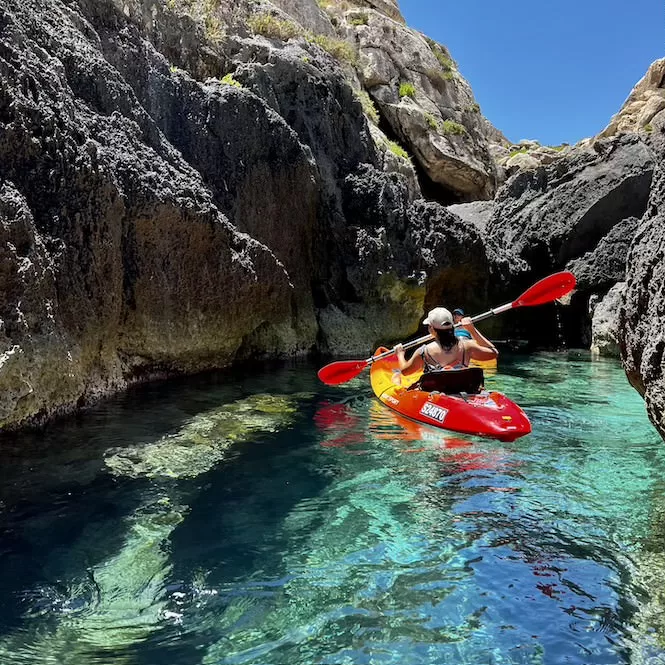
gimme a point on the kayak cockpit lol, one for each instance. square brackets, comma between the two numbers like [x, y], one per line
[468, 380]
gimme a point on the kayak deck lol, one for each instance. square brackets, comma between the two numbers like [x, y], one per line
[485, 414]
[484, 364]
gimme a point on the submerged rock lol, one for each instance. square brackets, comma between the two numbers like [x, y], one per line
[204, 442]
[112, 606]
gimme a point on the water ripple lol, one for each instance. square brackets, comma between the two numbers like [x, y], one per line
[216, 525]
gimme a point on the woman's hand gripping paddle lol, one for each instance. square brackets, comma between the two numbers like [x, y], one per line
[546, 290]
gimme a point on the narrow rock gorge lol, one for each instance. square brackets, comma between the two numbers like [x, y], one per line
[188, 184]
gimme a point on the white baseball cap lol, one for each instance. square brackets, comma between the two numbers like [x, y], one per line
[439, 318]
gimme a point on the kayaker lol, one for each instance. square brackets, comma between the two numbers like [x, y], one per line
[446, 350]
[462, 333]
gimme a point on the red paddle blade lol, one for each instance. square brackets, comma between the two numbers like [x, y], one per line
[547, 289]
[341, 371]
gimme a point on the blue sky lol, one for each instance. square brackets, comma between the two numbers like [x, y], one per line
[553, 71]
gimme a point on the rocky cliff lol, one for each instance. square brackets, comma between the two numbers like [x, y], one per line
[642, 323]
[190, 183]
[597, 209]
[185, 184]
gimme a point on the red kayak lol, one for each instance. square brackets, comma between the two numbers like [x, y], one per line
[453, 400]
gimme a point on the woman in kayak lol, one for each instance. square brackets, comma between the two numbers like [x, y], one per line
[447, 351]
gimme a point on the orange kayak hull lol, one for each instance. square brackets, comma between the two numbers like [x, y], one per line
[489, 414]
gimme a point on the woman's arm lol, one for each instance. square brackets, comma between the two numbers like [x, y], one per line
[480, 347]
[416, 360]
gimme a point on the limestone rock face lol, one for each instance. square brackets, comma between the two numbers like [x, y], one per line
[428, 106]
[402, 259]
[392, 162]
[118, 263]
[182, 189]
[556, 213]
[645, 106]
[187, 184]
[642, 328]
[605, 315]
[527, 155]
[307, 14]
[580, 213]
[389, 8]
[477, 213]
[606, 263]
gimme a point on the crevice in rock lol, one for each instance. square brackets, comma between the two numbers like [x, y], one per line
[431, 191]
[434, 191]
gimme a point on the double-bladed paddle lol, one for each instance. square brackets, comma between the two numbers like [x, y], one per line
[546, 290]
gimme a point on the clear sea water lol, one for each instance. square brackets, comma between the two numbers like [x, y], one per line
[269, 519]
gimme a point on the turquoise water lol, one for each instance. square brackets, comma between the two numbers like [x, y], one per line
[273, 520]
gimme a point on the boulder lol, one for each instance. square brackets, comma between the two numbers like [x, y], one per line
[428, 106]
[521, 161]
[605, 314]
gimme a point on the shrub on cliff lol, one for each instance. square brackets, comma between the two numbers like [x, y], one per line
[338, 48]
[397, 149]
[273, 28]
[452, 127]
[407, 90]
[368, 106]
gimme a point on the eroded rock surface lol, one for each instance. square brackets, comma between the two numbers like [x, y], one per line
[642, 329]
[119, 264]
[181, 189]
[556, 213]
[643, 105]
[428, 106]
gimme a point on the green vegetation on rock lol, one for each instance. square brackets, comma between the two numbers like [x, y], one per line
[272, 27]
[228, 79]
[338, 48]
[431, 121]
[359, 19]
[397, 149]
[214, 30]
[451, 127]
[446, 62]
[407, 89]
[368, 106]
